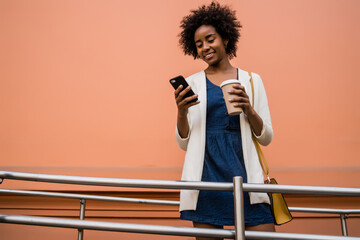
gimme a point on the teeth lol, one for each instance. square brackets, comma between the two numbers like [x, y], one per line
[208, 55]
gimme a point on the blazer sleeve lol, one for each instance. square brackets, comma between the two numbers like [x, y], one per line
[182, 142]
[262, 108]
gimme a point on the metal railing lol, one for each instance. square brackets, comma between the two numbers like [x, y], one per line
[344, 214]
[237, 187]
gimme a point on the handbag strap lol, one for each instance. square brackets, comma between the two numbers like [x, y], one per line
[260, 153]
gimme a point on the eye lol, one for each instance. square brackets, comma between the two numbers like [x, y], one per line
[211, 40]
[199, 45]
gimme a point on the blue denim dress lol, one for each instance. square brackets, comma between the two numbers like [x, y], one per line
[223, 160]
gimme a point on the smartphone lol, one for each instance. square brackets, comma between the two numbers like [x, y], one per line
[180, 80]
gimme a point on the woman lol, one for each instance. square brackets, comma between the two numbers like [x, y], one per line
[219, 146]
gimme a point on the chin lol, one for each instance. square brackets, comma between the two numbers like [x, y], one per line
[213, 63]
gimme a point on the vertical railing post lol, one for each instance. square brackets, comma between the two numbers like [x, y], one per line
[239, 208]
[343, 224]
[82, 217]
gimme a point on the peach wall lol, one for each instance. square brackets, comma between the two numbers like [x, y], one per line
[84, 91]
[84, 84]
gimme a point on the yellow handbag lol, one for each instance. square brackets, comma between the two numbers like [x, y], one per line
[279, 208]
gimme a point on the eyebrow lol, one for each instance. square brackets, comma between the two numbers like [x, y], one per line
[207, 36]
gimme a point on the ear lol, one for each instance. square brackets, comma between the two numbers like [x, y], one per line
[226, 43]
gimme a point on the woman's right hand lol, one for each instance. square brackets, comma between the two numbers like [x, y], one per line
[182, 103]
[183, 106]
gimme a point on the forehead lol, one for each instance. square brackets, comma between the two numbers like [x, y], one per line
[204, 31]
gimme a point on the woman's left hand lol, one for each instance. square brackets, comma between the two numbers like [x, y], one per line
[241, 100]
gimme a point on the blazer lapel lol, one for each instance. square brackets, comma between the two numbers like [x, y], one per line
[244, 79]
[200, 84]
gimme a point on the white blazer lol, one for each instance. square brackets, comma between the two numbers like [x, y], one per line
[194, 143]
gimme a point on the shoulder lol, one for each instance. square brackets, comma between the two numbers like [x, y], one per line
[195, 76]
[246, 75]
[197, 80]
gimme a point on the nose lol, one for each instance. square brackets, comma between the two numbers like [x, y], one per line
[205, 46]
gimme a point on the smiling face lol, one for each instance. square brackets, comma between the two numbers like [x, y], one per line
[210, 45]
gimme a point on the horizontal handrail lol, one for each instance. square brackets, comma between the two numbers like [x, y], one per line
[292, 236]
[161, 230]
[116, 182]
[88, 197]
[324, 210]
[152, 201]
[311, 190]
[167, 184]
[119, 227]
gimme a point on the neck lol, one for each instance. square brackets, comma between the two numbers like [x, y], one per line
[222, 66]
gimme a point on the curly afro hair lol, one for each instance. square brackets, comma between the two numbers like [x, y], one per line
[222, 18]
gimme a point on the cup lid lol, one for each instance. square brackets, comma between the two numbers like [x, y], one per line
[230, 81]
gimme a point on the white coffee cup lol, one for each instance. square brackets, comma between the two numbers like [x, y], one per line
[226, 86]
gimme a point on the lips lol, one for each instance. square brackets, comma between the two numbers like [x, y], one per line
[209, 55]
